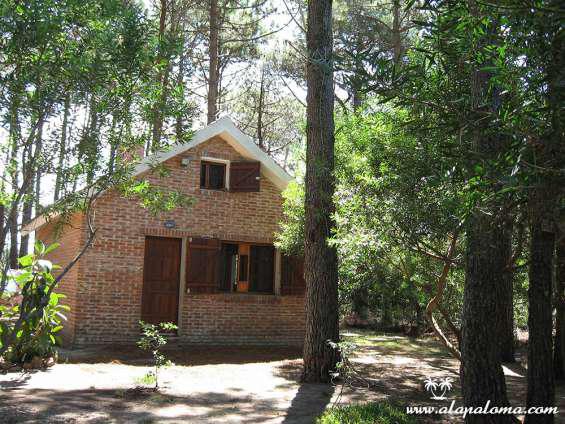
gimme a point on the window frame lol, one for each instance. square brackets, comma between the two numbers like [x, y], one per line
[206, 161]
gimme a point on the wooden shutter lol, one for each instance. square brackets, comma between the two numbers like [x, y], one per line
[245, 176]
[227, 267]
[292, 275]
[203, 265]
[262, 268]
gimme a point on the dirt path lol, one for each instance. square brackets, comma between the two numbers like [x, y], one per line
[238, 385]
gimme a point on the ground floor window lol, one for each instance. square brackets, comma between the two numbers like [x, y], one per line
[214, 265]
[246, 267]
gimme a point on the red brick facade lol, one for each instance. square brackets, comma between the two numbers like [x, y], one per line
[104, 290]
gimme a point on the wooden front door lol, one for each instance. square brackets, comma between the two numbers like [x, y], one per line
[161, 280]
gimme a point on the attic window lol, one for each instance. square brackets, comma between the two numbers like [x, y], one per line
[213, 175]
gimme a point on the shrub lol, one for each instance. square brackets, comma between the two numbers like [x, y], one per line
[153, 339]
[368, 413]
[29, 328]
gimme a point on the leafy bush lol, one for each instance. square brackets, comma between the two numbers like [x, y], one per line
[153, 339]
[291, 237]
[368, 413]
[30, 327]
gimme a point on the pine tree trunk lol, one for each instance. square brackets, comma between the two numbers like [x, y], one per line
[505, 289]
[543, 201]
[320, 257]
[214, 63]
[541, 390]
[559, 346]
[482, 377]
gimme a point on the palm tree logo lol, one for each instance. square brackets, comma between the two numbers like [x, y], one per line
[441, 385]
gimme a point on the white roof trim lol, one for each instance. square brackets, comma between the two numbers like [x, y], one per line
[224, 128]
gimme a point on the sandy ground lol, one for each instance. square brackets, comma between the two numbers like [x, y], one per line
[228, 385]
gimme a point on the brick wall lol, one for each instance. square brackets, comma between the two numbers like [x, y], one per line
[110, 281]
[243, 319]
[71, 238]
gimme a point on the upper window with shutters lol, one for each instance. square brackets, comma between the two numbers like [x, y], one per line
[240, 176]
[213, 175]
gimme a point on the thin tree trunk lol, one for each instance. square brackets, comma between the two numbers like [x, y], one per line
[162, 80]
[357, 98]
[260, 139]
[13, 223]
[320, 256]
[179, 125]
[3, 221]
[33, 192]
[396, 33]
[62, 149]
[113, 146]
[37, 195]
[214, 62]
[27, 207]
[37, 162]
[13, 215]
[435, 303]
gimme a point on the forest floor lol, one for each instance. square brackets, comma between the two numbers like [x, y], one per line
[233, 385]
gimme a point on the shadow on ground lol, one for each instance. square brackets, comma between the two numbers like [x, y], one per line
[180, 355]
[113, 405]
[234, 384]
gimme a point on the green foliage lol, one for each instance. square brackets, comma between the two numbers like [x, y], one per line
[290, 239]
[396, 197]
[80, 86]
[148, 379]
[156, 199]
[40, 308]
[153, 339]
[344, 369]
[367, 413]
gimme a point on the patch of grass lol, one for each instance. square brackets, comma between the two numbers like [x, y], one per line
[359, 340]
[365, 413]
[395, 343]
[147, 380]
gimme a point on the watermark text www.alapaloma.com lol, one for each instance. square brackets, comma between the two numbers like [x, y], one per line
[480, 410]
[439, 388]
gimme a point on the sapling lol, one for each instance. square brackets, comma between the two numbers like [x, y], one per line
[153, 338]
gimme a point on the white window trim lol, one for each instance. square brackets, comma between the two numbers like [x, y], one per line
[223, 161]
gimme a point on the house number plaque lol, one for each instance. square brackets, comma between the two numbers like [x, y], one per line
[170, 223]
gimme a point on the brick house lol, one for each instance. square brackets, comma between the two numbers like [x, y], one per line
[211, 268]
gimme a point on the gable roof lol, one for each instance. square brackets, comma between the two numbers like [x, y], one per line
[242, 143]
[222, 127]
